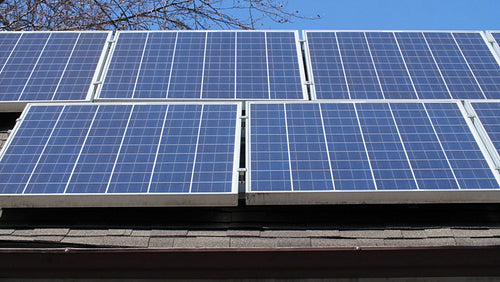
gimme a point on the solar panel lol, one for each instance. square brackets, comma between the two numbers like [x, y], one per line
[402, 65]
[205, 65]
[49, 66]
[330, 153]
[489, 116]
[122, 155]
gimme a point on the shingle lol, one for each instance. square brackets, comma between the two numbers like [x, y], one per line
[414, 234]
[201, 242]
[325, 242]
[239, 242]
[161, 242]
[126, 241]
[284, 233]
[370, 233]
[471, 233]
[495, 232]
[141, 233]
[16, 238]
[493, 241]
[48, 238]
[243, 233]
[370, 242]
[87, 232]
[206, 233]
[323, 233]
[119, 232]
[6, 231]
[464, 241]
[438, 232]
[294, 242]
[420, 242]
[41, 232]
[88, 240]
[168, 233]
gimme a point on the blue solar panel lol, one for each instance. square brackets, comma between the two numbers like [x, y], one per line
[489, 115]
[124, 149]
[486, 69]
[402, 65]
[48, 66]
[426, 75]
[19, 161]
[219, 71]
[353, 147]
[204, 65]
[357, 61]
[391, 68]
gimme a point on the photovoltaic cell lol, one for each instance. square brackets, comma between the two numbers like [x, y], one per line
[489, 115]
[358, 65]
[48, 66]
[402, 65]
[125, 149]
[486, 69]
[219, 70]
[204, 65]
[390, 66]
[421, 64]
[364, 147]
[18, 162]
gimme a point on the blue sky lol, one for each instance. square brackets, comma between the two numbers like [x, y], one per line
[395, 14]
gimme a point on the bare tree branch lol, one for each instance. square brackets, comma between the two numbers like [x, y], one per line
[141, 14]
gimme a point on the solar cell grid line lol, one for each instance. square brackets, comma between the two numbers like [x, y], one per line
[82, 67]
[267, 140]
[390, 66]
[8, 41]
[328, 73]
[176, 153]
[252, 67]
[387, 152]
[362, 78]
[140, 65]
[308, 149]
[66, 67]
[219, 79]
[424, 72]
[283, 66]
[489, 117]
[51, 172]
[20, 64]
[93, 168]
[215, 155]
[133, 167]
[49, 67]
[22, 153]
[482, 62]
[461, 146]
[455, 69]
[350, 164]
[153, 77]
[429, 162]
[122, 71]
[187, 70]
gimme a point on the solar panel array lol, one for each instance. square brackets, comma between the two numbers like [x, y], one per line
[90, 149]
[353, 147]
[205, 65]
[402, 65]
[49, 66]
[423, 128]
